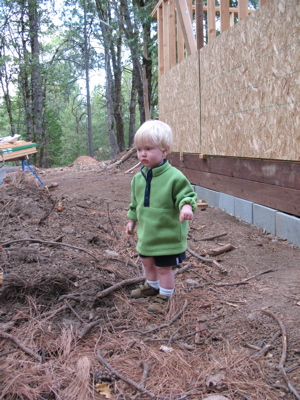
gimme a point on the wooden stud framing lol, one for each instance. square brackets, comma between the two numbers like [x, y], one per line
[224, 15]
[199, 24]
[180, 42]
[211, 19]
[175, 26]
[262, 2]
[186, 24]
[166, 39]
[160, 28]
[243, 8]
[172, 33]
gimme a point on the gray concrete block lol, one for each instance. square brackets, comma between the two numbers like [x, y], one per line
[288, 227]
[243, 209]
[264, 218]
[226, 203]
[201, 193]
[212, 198]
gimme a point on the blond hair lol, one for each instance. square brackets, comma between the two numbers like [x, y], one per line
[154, 132]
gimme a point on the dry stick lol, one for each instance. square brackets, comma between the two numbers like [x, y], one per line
[51, 314]
[117, 236]
[131, 169]
[145, 367]
[221, 249]
[124, 158]
[211, 237]
[161, 326]
[207, 260]
[290, 386]
[50, 243]
[73, 311]
[283, 334]
[21, 346]
[119, 285]
[284, 352]
[267, 347]
[243, 282]
[123, 378]
[88, 327]
[132, 281]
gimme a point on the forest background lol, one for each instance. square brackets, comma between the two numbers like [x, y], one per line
[78, 77]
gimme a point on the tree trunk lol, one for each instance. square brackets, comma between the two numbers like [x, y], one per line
[117, 92]
[87, 84]
[132, 108]
[114, 149]
[36, 79]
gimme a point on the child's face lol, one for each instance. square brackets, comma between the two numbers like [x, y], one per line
[150, 155]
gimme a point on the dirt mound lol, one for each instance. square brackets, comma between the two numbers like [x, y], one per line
[66, 317]
[85, 160]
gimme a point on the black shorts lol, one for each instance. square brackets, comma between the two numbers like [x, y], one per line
[167, 261]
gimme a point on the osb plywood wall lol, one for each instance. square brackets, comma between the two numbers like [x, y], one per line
[179, 104]
[240, 94]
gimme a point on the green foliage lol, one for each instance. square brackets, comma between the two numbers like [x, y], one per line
[54, 146]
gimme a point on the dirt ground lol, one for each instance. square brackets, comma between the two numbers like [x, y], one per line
[69, 329]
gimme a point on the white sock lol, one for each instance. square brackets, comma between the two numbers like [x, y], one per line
[154, 284]
[166, 292]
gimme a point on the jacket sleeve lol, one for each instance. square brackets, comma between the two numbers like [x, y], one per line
[185, 194]
[131, 214]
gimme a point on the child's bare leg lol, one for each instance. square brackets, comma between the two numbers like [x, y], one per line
[150, 268]
[166, 277]
[151, 286]
[166, 281]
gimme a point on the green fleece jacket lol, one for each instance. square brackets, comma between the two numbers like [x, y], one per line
[157, 196]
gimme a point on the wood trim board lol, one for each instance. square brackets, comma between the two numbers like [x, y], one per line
[269, 183]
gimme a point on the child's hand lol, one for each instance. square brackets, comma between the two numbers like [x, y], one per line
[186, 213]
[130, 227]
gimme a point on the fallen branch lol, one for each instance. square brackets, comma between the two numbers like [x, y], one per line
[119, 285]
[131, 169]
[243, 282]
[290, 386]
[145, 367]
[123, 378]
[124, 158]
[88, 327]
[49, 243]
[283, 335]
[117, 236]
[221, 249]
[21, 346]
[208, 260]
[211, 237]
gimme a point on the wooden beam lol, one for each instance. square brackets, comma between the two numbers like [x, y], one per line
[180, 41]
[231, 9]
[218, 9]
[211, 19]
[199, 24]
[274, 184]
[172, 33]
[186, 25]
[225, 15]
[243, 9]
[166, 40]
[262, 2]
[160, 30]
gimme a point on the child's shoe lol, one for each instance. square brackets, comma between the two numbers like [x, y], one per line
[159, 304]
[144, 290]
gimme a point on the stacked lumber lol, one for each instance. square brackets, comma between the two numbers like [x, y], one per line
[16, 151]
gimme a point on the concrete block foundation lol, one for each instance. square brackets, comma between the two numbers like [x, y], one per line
[275, 222]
